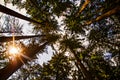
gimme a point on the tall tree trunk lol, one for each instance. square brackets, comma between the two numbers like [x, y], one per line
[79, 70]
[14, 65]
[107, 14]
[87, 75]
[16, 14]
[9, 38]
[83, 7]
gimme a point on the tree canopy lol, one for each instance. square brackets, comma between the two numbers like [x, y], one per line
[84, 36]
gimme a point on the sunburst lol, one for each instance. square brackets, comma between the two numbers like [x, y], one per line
[13, 51]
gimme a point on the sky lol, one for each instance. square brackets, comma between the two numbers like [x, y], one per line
[27, 30]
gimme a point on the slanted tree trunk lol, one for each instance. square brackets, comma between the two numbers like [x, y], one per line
[79, 70]
[83, 7]
[103, 16]
[87, 75]
[14, 65]
[9, 38]
[16, 14]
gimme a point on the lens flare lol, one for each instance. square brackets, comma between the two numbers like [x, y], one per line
[13, 50]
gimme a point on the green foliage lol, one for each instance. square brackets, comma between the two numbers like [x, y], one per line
[102, 36]
[59, 68]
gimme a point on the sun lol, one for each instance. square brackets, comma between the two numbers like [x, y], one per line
[13, 51]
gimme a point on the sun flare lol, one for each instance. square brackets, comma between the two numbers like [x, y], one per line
[13, 50]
